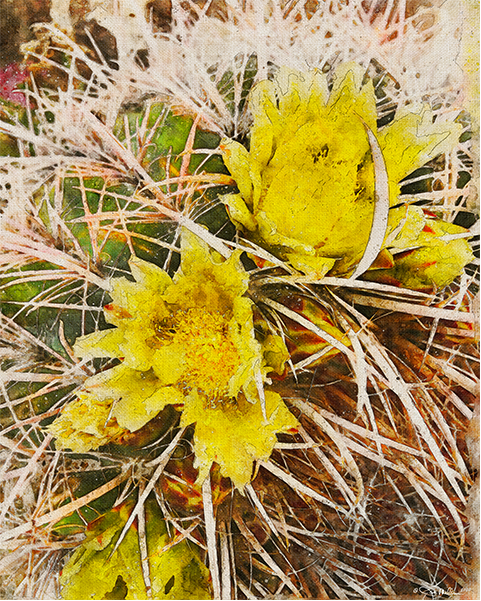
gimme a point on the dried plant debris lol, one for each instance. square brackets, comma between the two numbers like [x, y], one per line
[238, 349]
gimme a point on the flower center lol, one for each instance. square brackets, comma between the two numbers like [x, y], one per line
[210, 356]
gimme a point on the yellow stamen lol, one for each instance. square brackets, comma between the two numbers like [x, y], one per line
[211, 356]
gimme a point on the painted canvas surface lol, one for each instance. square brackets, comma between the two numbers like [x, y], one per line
[238, 282]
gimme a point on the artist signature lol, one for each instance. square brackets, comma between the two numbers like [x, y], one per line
[436, 592]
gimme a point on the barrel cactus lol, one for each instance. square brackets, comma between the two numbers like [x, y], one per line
[237, 276]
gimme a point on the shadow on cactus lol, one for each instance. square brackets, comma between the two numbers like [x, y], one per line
[232, 368]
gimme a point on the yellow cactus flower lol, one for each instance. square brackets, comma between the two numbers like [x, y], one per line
[85, 424]
[187, 342]
[427, 253]
[307, 186]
